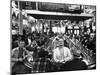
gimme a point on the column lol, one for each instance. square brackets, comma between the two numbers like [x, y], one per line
[20, 18]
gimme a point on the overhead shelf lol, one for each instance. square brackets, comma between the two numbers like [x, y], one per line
[57, 15]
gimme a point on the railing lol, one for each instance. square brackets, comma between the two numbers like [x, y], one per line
[87, 54]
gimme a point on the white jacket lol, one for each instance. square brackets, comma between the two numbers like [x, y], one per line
[63, 54]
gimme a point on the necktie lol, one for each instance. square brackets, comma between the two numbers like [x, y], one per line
[20, 55]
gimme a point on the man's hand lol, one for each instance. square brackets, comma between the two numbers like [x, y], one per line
[30, 53]
[61, 61]
[20, 59]
[64, 61]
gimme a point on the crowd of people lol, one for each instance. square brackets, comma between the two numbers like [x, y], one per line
[36, 53]
[41, 48]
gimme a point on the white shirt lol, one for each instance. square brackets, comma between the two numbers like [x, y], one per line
[29, 41]
[62, 54]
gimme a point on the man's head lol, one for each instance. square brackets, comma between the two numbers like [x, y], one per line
[61, 42]
[21, 44]
[33, 44]
[92, 35]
